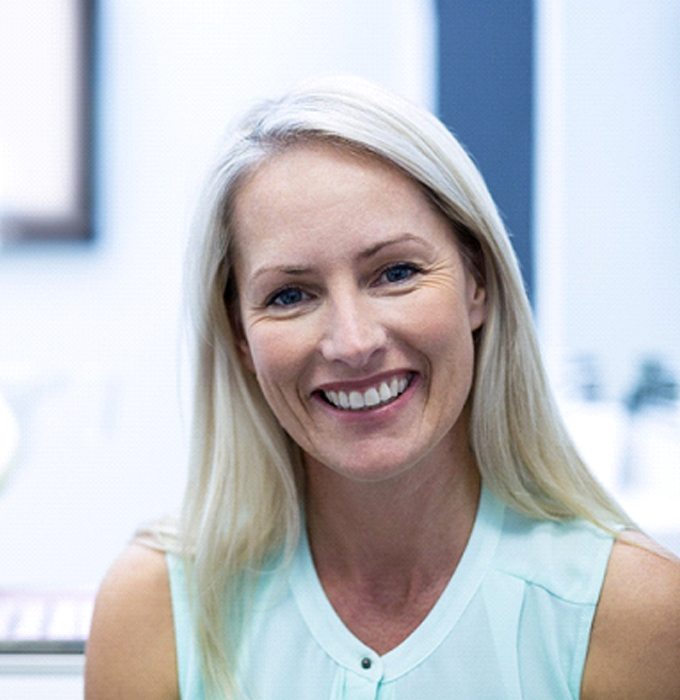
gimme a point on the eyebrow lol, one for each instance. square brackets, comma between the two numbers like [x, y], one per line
[296, 271]
[370, 252]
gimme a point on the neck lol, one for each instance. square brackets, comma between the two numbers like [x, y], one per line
[410, 530]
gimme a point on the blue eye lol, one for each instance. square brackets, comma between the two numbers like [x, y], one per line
[399, 272]
[287, 297]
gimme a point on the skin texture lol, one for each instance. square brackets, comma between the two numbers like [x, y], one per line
[131, 648]
[634, 649]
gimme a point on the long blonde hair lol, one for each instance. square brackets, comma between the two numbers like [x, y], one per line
[243, 497]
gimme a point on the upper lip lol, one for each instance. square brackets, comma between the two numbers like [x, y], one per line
[364, 384]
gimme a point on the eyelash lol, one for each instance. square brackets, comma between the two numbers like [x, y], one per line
[272, 300]
[410, 267]
[276, 297]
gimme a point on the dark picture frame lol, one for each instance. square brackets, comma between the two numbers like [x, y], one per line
[65, 58]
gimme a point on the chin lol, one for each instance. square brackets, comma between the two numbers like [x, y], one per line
[369, 470]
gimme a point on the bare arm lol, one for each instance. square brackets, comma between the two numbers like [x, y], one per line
[635, 644]
[131, 649]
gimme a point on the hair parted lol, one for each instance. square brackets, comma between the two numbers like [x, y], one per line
[243, 501]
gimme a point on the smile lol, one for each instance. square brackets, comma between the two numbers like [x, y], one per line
[378, 395]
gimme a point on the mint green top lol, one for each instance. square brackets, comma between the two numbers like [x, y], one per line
[513, 622]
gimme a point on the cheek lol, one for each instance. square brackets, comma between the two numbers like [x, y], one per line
[445, 337]
[279, 358]
[438, 315]
[279, 362]
[269, 354]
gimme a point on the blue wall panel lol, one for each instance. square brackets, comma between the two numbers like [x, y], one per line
[485, 87]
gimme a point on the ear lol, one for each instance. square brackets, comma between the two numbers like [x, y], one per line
[245, 354]
[239, 335]
[476, 301]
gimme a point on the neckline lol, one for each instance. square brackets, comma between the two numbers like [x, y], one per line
[347, 650]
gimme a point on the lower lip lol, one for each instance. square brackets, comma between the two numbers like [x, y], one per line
[383, 411]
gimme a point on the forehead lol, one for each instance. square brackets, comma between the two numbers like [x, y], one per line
[316, 210]
[304, 169]
[313, 185]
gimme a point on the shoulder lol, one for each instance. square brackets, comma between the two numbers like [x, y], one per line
[131, 649]
[635, 643]
[565, 558]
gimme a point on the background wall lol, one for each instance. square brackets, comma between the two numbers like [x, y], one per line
[607, 232]
[89, 340]
[487, 97]
[608, 219]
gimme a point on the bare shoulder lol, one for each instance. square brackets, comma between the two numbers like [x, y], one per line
[635, 643]
[131, 649]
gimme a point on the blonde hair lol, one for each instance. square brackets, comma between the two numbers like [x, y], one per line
[243, 497]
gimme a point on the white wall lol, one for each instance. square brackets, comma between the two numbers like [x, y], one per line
[89, 335]
[608, 233]
[608, 214]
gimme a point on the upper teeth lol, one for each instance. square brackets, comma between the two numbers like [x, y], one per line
[373, 396]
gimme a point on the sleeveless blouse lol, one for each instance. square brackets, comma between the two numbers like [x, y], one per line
[513, 622]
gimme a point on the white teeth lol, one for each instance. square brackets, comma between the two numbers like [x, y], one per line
[373, 396]
[356, 400]
[385, 393]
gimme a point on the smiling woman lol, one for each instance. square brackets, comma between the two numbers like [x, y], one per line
[341, 325]
[381, 492]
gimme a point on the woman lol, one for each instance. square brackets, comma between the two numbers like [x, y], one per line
[383, 502]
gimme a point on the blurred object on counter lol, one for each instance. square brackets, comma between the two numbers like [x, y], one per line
[44, 622]
[654, 390]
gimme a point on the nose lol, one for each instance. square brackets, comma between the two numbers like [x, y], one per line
[353, 333]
